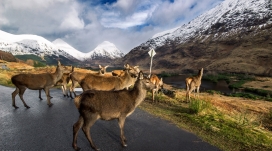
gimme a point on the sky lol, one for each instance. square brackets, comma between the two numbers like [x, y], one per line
[84, 24]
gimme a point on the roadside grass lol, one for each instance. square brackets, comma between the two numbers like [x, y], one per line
[241, 131]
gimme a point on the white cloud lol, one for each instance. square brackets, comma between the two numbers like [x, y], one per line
[126, 23]
[72, 21]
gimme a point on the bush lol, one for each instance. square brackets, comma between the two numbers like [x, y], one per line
[196, 105]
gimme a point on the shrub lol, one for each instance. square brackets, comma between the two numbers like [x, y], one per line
[196, 105]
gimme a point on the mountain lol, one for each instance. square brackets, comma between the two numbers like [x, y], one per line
[29, 44]
[234, 36]
[39, 46]
[105, 50]
[62, 45]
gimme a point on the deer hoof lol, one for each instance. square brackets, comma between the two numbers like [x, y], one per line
[16, 107]
[51, 104]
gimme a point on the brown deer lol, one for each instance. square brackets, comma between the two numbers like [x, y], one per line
[121, 72]
[107, 105]
[63, 82]
[77, 77]
[159, 85]
[194, 84]
[108, 83]
[36, 82]
[187, 83]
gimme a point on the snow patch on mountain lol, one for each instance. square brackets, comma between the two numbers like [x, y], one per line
[37, 45]
[62, 45]
[105, 49]
[230, 13]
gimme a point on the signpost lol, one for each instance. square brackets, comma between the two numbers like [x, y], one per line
[151, 54]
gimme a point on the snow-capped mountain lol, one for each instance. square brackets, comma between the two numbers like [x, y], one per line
[234, 36]
[62, 45]
[28, 44]
[37, 45]
[224, 18]
[105, 49]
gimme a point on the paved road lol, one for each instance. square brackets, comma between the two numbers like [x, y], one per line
[43, 128]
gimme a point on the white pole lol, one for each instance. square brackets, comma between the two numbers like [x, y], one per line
[151, 64]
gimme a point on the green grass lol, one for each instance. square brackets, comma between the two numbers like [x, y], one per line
[203, 119]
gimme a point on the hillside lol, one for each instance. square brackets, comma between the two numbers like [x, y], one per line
[7, 56]
[235, 36]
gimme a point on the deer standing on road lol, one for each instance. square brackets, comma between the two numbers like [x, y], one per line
[63, 82]
[108, 105]
[109, 83]
[77, 77]
[43, 81]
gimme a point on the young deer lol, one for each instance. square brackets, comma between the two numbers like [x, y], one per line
[36, 82]
[77, 77]
[108, 105]
[159, 85]
[194, 84]
[63, 82]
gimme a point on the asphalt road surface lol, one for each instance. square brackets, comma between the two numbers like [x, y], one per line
[50, 128]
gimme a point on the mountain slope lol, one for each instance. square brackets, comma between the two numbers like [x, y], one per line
[235, 36]
[105, 50]
[39, 46]
[62, 45]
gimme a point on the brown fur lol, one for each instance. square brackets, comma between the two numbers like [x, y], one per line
[159, 85]
[108, 105]
[77, 77]
[194, 84]
[63, 82]
[119, 73]
[36, 82]
[94, 82]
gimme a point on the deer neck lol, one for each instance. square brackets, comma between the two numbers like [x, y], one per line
[139, 93]
[57, 74]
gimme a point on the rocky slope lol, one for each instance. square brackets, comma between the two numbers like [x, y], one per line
[235, 36]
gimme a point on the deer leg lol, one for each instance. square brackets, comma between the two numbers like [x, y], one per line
[13, 94]
[49, 94]
[72, 88]
[40, 94]
[121, 123]
[21, 93]
[64, 89]
[76, 128]
[197, 91]
[48, 97]
[153, 95]
[88, 122]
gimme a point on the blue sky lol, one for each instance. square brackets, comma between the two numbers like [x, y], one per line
[86, 23]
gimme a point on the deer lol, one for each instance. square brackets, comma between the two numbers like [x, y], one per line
[187, 83]
[194, 84]
[32, 81]
[109, 83]
[108, 105]
[77, 77]
[121, 72]
[63, 82]
[159, 85]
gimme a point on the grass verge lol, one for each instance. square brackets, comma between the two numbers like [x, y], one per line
[242, 131]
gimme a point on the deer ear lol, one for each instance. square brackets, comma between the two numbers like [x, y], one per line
[141, 75]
